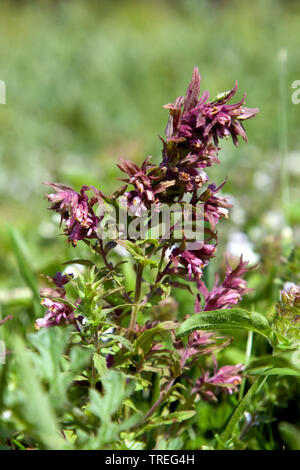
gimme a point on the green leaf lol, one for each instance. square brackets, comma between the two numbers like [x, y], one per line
[176, 417]
[115, 391]
[144, 341]
[172, 444]
[290, 434]
[273, 365]
[100, 364]
[120, 339]
[269, 361]
[227, 319]
[137, 253]
[26, 271]
[276, 371]
[50, 344]
[84, 262]
[172, 418]
[104, 406]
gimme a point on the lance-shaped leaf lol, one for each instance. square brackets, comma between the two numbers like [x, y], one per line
[25, 265]
[226, 319]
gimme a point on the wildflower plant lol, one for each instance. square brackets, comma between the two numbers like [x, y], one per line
[141, 365]
[137, 336]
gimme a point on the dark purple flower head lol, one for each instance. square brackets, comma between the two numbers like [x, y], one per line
[149, 183]
[202, 122]
[60, 279]
[109, 360]
[194, 129]
[140, 180]
[229, 292]
[76, 211]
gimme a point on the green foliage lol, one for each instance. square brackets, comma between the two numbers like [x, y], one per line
[226, 319]
[24, 264]
[33, 406]
[291, 435]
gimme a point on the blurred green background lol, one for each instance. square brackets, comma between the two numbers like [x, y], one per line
[86, 81]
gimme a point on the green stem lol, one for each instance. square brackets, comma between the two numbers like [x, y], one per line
[237, 414]
[247, 360]
[160, 399]
[137, 297]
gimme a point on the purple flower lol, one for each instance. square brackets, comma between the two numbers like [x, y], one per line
[134, 203]
[60, 279]
[200, 343]
[202, 122]
[57, 313]
[214, 207]
[149, 182]
[194, 260]
[140, 180]
[76, 211]
[226, 379]
[109, 360]
[193, 131]
[229, 292]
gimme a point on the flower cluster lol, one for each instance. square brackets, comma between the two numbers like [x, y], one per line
[59, 311]
[225, 380]
[193, 131]
[191, 144]
[200, 343]
[193, 261]
[197, 122]
[76, 210]
[227, 293]
[290, 295]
